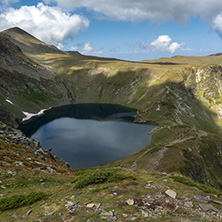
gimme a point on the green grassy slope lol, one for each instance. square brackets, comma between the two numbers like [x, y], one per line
[103, 196]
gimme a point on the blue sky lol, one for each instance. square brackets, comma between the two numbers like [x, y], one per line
[125, 29]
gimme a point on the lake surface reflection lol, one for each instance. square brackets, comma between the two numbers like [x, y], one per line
[89, 142]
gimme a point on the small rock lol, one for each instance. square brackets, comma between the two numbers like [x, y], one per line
[97, 205]
[208, 207]
[130, 202]
[171, 193]
[79, 193]
[19, 163]
[149, 200]
[11, 173]
[133, 218]
[29, 212]
[50, 170]
[202, 198]
[71, 206]
[3, 187]
[41, 180]
[72, 197]
[125, 215]
[90, 205]
[105, 214]
[188, 204]
[2, 195]
[144, 214]
[158, 108]
[114, 194]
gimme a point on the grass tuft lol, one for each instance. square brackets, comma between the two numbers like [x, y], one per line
[17, 201]
[86, 178]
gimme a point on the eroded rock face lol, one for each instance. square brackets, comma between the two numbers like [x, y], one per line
[206, 85]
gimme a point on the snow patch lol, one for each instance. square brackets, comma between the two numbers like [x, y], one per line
[30, 115]
[7, 100]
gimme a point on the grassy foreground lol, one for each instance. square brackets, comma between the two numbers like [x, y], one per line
[61, 198]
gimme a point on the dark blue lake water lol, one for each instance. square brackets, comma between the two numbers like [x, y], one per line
[89, 138]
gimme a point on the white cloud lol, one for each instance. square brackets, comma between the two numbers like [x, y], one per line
[60, 46]
[175, 46]
[158, 11]
[73, 48]
[162, 43]
[217, 24]
[50, 24]
[88, 49]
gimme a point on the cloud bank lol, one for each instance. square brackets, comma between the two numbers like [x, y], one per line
[50, 24]
[217, 24]
[158, 11]
[163, 43]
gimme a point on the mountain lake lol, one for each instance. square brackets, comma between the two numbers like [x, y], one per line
[87, 135]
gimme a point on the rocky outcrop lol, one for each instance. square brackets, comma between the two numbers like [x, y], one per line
[20, 153]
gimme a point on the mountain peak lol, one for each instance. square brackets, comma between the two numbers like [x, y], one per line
[28, 43]
[16, 30]
[21, 35]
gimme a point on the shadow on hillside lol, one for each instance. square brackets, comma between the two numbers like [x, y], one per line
[163, 63]
[120, 89]
[180, 99]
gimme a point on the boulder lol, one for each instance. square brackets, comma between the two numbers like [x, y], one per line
[171, 193]
[130, 202]
[208, 207]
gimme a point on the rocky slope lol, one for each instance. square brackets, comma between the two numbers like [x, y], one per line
[107, 195]
[182, 95]
[21, 154]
